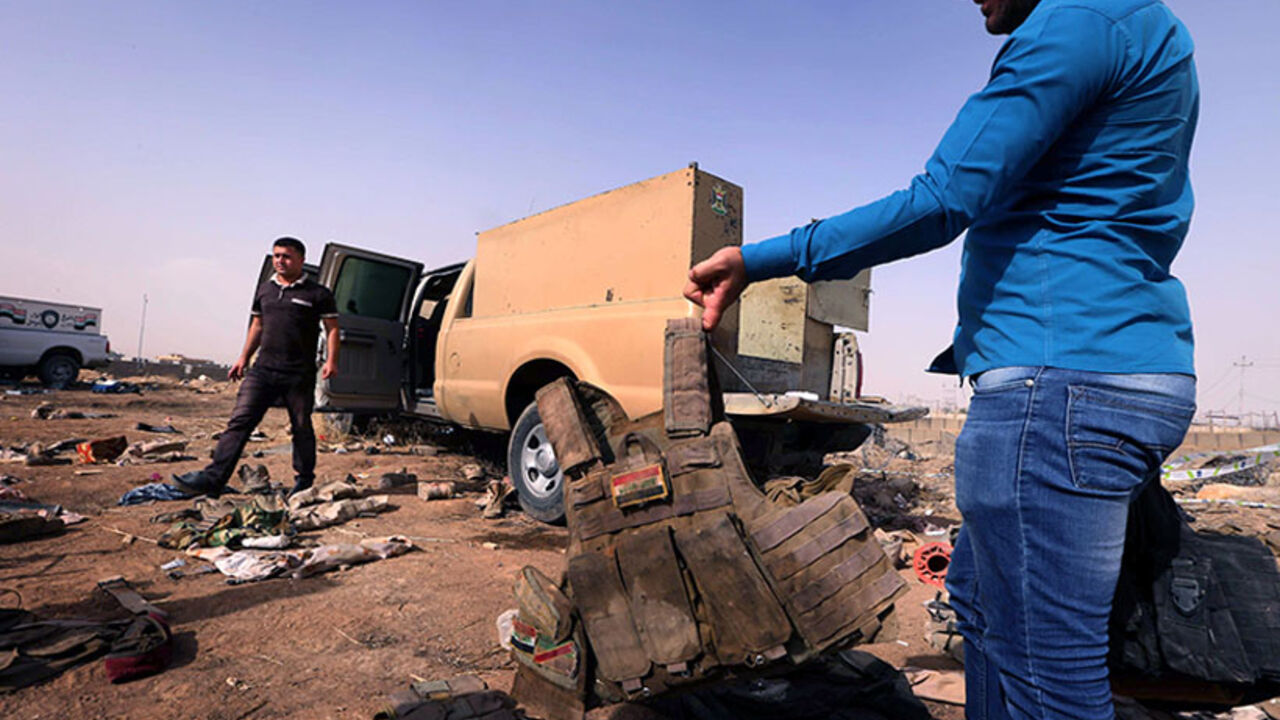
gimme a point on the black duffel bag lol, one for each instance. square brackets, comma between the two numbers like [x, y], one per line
[1194, 610]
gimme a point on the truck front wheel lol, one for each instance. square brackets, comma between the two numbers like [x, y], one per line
[535, 474]
[59, 370]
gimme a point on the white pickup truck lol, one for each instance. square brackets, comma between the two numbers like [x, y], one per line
[52, 340]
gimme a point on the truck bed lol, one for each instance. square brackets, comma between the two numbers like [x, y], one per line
[794, 407]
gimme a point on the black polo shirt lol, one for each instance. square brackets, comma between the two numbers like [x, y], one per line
[291, 323]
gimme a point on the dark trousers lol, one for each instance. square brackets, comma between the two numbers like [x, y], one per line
[258, 392]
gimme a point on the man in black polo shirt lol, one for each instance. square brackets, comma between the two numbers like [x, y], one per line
[288, 310]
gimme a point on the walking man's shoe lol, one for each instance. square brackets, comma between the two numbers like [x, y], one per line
[195, 483]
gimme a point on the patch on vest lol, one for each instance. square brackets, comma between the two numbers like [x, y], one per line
[523, 637]
[562, 658]
[639, 487]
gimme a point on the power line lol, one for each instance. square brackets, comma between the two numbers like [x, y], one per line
[1244, 364]
[1226, 374]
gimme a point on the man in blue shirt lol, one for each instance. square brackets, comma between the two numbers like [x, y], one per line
[1069, 173]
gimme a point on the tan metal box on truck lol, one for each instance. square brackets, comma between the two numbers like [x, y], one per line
[630, 244]
[787, 332]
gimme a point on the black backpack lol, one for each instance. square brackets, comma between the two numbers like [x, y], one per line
[1195, 608]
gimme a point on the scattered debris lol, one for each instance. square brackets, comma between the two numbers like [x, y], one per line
[37, 649]
[1224, 491]
[144, 449]
[37, 455]
[65, 444]
[314, 517]
[253, 565]
[49, 411]
[326, 493]
[127, 538]
[1249, 466]
[167, 429]
[120, 589]
[238, 684]
[847, 685]
[114, 387]
[102, 450]
[255, 478]
[229, 523]
[329, 557]
[941, 631]
[152, 492]
[398, 481]
[28, 525]
[458, 698]
[497, 495]
[9, 455]
[944, 686]
[146, 648]
[149, 450]
[436, 490]
[790, 490]
[267, 542]
[202, 570]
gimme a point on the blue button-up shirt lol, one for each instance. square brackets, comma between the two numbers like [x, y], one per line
[1069, 170]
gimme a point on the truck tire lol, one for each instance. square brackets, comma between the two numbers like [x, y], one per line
[535, 474]
[58, 370]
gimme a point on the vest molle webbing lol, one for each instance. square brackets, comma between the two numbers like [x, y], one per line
[680, 570]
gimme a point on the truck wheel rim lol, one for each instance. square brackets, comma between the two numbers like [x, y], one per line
[537, 458]
[61, 371]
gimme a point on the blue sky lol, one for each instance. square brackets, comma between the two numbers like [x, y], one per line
[158, 147]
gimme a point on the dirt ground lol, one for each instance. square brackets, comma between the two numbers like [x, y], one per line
[331, 645]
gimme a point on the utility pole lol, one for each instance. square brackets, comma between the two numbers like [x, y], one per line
[142, 327]
[1243, 364]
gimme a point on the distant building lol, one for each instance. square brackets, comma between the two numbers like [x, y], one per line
[180, 359]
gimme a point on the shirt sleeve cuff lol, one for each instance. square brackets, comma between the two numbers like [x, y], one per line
[769, 258]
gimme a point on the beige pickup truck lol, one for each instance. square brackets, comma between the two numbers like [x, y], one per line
[585, 290]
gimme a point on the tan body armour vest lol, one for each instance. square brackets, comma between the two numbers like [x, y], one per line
[680, 570]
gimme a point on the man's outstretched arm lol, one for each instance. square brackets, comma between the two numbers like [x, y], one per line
[1043, 78]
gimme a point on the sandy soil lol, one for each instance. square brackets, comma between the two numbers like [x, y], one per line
[329, 646]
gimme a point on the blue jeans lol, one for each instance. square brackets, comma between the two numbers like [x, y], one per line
[1045, 468]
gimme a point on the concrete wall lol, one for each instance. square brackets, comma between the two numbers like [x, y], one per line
[937, 434]
[131, 368]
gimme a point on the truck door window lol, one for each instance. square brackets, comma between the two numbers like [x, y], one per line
[370, 288]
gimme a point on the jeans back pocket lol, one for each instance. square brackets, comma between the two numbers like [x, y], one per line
[1117, 438]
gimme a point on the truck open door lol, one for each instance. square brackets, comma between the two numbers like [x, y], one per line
[372, 292]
